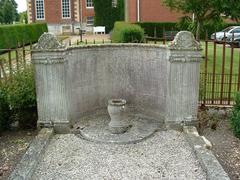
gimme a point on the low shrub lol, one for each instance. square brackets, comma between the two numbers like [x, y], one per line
[12, 35]
[235, 117]
[5, 112]
[156, 29]
[127, 33]
[21, 97]
[21, 89]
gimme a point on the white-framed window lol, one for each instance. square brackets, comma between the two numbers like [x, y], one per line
[89, 3]
[114, 3]
[40, 14]
[66, 9]
[90, 20]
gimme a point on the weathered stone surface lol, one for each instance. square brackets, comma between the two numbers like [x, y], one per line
[95, 128]
[31, 158]
[183, 81]
[116, 111]
[185, 40]
[207, 159]
[52, 90]
[48, 41]
[159, 80]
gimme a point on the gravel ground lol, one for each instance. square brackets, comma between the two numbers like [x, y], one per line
[166, 155]
[226, 147]
[215, 126]
[13, 145]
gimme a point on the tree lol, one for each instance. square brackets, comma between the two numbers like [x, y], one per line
[1, 13]
[206, 11]
[23, 17]
[106, 14]
[1, 17]
[8, 11]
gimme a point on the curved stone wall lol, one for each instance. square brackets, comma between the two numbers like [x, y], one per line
[162, 81]
[136, 73]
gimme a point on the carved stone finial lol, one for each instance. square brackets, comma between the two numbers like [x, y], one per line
[186, 41]
[48, 41]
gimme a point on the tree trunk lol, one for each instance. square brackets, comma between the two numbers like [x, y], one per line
[198, 31]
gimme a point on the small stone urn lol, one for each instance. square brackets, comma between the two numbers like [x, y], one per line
[118, 123]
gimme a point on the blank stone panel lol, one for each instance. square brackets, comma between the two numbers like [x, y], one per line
[98, 74]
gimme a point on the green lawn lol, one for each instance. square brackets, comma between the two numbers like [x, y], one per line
[13, 53]
[62, 37]
[219, 57]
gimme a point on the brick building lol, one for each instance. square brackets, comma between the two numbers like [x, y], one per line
[149, 11]
[65, 16]
[62, 15]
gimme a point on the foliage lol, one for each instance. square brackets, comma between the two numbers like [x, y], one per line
[124, 33]
[11, 35]
[121, 11]
[5, 112]
[21, 89]
[21, 97]
[235, 117]
[23, 17]
[205, 11]
[209, 27]
[156, 29]
[106, 15]
[8, 11]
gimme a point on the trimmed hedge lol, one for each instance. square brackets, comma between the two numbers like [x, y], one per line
[127, 33]
[155, 29]
[11, 35]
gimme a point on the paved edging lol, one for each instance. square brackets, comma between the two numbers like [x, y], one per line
[201, 147]
[26, 167]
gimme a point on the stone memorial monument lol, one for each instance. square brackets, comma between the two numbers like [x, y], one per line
[159, 82]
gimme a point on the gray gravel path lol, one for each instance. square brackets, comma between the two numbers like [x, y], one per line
[166, 155]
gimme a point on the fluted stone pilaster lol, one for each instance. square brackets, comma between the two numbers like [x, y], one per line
[183, 80]
[50, 76]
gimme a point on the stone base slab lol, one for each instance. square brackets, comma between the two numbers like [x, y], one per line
[26, 167]
[96, 129]
[207, 159]
[178, 125]
[59, 127]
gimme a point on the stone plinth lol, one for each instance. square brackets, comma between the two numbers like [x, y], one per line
[183, 81]
[50, 63]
